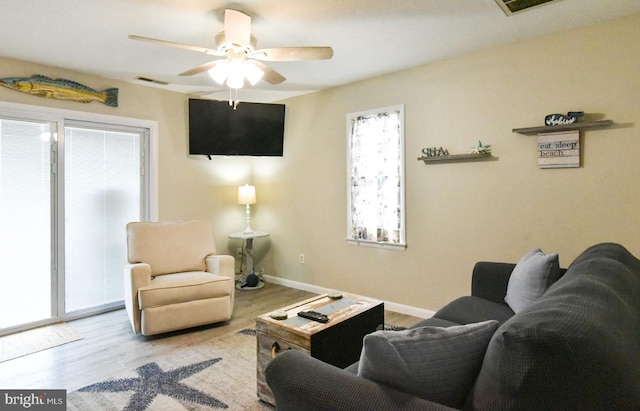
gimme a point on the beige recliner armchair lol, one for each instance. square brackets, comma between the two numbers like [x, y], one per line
[175, 280]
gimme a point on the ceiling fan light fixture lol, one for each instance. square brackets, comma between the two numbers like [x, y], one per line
[235, 79]
[219, 72]
[234, 71]
[252, 72]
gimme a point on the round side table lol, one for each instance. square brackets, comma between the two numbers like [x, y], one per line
[248, 251]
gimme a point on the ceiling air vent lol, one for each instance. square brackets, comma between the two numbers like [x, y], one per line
[150, 80]
[515, 6]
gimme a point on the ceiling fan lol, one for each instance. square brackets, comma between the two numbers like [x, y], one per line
[242, 59]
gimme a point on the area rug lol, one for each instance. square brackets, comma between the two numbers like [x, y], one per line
[218, 374]
[39, 339]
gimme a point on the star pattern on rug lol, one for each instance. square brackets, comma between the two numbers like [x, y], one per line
[153, 381]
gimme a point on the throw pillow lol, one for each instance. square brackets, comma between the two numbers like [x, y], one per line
[435, 363]
[532, 275]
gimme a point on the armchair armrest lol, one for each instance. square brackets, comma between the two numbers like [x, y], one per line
[301, 382]
[490, 280]
[135, 276]
[221, 265]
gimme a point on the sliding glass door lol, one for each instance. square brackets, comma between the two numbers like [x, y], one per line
[26, 210]
[67, 190]
[102, 194]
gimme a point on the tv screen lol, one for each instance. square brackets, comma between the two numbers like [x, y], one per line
[252, 129]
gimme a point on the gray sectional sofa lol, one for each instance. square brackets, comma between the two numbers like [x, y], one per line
[575, 347]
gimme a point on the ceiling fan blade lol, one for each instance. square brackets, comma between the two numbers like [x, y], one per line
[237, 27]
[293, 53]
[212, 52]
[201, 68]
[270, 75]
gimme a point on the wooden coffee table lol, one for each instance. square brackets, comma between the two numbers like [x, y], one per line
[338, 342]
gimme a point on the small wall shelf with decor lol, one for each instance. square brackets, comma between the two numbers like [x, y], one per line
[457, 157]
[559, 138]
[532, 131]
[479, 152]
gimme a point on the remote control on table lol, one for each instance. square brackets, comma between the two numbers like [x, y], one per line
[314, 315]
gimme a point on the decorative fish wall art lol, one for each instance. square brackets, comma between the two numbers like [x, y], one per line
[60, 89]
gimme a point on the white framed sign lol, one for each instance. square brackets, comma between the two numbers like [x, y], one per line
[559, 150]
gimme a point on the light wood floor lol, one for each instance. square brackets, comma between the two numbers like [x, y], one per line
[110, 347]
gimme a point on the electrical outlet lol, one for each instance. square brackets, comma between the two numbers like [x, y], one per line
[301, 258]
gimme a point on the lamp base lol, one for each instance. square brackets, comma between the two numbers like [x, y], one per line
[248, 230]
[245, 288]
[252, 280]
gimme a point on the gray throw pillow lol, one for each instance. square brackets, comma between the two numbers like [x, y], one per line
[435, 363]
[534, 273]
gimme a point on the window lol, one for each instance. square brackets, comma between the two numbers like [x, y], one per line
[376, 177]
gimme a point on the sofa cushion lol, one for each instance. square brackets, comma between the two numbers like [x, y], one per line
[577, 347]
[170, 247]
[182, 287]
[434, 322]
[530, 278]
[470, 309]
[434, 363]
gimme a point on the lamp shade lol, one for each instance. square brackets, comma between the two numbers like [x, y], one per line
[219, 72]
[246, 194]
[252, 73]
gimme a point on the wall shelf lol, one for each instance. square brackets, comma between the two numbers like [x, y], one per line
[532, 131]
[457, 158]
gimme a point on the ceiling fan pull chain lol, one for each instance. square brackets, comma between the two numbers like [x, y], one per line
[236, 102]
[233, 102]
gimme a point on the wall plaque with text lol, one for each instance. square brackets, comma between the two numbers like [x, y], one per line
[559, 150]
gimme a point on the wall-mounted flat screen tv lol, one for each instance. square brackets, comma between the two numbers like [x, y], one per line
[252, 129]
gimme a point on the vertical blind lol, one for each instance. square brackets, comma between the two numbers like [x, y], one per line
[25, 221]
[102, 194]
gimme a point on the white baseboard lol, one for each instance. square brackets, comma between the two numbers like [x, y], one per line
[388, 305]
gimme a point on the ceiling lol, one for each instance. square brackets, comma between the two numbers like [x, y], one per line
[369, 37]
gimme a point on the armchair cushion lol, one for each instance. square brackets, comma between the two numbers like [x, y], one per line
[170, 247]
[301, 382]
[434, 363]
[530, 278]
[471, 309]
[183, 287]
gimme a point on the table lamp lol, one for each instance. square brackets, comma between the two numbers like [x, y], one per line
[247, 195]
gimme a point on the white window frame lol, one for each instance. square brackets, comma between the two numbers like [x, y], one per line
[354, 236]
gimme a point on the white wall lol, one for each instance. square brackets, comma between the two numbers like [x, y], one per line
[460, 213]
